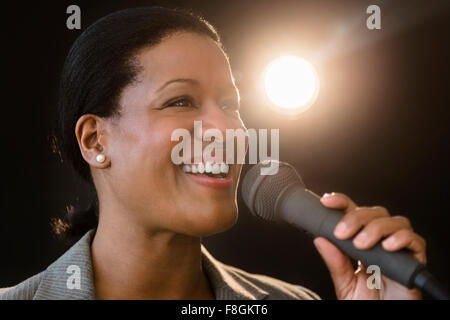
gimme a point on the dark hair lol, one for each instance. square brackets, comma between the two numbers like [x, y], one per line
[99, 65]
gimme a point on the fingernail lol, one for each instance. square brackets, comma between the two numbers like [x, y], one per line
[326, 197]
[389, 242]
[361, 238]
[341, 229]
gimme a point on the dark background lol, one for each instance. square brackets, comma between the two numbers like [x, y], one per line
[379, 131]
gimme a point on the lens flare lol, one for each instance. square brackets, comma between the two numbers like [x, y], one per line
[291, 83]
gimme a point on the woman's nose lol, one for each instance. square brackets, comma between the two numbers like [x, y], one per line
[214, 125]
[216, 118]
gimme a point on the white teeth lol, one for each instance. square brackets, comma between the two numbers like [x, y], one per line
[224, 168]
[208, 167]
[215, 168]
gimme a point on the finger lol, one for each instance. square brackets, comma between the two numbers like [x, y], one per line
[352, 221]
[407, 239]
[338, 264]
[338, 201]
[379, 228]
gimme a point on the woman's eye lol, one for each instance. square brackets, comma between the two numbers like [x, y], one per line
[183, 102]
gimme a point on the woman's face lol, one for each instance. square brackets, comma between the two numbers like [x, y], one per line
[155, 192]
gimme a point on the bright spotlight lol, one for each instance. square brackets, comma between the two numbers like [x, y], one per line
[291, 83]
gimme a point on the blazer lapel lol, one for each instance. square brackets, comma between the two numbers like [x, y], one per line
[71, 276]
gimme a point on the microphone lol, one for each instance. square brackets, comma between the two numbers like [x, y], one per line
[281, 195]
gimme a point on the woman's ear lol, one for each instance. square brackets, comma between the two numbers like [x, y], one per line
[89, 131]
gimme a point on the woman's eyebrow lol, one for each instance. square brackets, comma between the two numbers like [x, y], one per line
[185, 80]
[232, 89]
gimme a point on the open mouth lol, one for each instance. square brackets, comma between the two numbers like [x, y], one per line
[208, 169]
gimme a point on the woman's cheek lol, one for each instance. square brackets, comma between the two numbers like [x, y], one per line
[160, 144]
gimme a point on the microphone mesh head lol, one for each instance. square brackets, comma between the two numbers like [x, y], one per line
[260, 192]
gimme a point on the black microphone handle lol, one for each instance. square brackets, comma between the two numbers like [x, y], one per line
[303, 209]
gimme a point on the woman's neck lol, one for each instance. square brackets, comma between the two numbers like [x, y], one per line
[130, 263]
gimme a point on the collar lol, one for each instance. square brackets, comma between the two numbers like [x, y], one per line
[76, 265]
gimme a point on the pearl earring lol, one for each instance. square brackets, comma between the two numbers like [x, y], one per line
[100, 158]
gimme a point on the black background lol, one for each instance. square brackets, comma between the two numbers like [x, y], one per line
[379, 131]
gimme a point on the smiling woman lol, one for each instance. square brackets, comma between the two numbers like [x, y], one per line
[128, 82]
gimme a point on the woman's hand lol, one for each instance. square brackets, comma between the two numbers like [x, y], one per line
[373, 224]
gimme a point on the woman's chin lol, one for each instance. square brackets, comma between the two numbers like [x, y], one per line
[212, 222]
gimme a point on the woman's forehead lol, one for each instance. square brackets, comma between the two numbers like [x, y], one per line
[184, 55]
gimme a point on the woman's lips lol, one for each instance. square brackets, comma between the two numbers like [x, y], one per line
[211, 181]
[209, 174]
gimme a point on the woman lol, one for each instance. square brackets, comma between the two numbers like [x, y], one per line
[129, 81]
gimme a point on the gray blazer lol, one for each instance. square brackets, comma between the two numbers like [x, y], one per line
[71, 278]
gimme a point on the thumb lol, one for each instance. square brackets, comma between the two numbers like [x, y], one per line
[338, 264]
